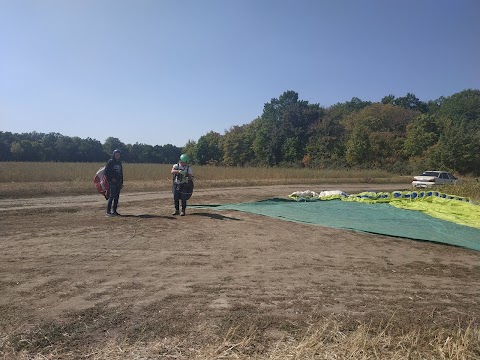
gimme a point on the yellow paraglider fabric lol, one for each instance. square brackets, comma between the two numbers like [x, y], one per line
[459, 212]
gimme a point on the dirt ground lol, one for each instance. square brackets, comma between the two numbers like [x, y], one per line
[72, 279]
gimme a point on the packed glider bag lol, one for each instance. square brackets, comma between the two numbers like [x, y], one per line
[187, 189]
[100, 181]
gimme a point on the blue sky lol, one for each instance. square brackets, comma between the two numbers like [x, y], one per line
[163, 72]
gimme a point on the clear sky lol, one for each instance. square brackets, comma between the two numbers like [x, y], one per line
[165, 71]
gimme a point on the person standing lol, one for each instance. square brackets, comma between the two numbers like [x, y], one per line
[182, 184]
[114, 175]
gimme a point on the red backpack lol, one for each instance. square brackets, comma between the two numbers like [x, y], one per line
[101, 183]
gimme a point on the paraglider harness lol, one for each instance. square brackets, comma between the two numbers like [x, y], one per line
[185, 188]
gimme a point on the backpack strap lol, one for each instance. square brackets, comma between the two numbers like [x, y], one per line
[174, 175]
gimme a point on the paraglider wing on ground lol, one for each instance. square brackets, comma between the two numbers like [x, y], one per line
[101, 183]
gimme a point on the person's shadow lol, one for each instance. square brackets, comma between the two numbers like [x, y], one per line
[147, 216]
[214, 216]
[208, 215]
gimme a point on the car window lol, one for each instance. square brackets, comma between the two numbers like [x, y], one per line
[451, 176]
[443, 176]
[430, 173]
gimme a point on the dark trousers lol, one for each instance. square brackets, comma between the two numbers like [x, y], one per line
[114, 196]
[178, 196]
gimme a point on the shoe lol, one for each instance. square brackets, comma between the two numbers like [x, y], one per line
[109, 215]
[116, 214]
[175, 213]
[182, 213]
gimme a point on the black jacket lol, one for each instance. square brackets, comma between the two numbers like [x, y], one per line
[114, 170]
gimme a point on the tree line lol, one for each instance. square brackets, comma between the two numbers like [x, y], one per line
[56, 147]
[403, 135]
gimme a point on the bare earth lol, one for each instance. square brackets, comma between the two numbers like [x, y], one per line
[80, 279]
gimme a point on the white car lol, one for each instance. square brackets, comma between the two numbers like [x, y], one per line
[431, 178]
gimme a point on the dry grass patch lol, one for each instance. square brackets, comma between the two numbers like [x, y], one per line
[326, 339]
[470, 188]
[18, 172]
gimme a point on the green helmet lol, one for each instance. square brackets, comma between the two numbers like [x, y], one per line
[184, 158]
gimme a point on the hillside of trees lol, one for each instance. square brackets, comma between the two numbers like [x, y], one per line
[402, 135]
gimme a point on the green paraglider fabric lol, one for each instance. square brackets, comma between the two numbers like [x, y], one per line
[378, 218]
[453, 208]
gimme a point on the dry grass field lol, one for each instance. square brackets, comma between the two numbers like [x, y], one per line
[219, 285]
[33, 179]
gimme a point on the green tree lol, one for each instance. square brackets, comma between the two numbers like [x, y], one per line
[140, 153]
[388, 99]
[385, 126]
[189, 149]
[263, 145]
[66, 149]
[355, 104]
[238, 145]
[463, 106]
[49, 144]
[457, 149]
[6, 140]
[327, 135]
[422, 133]
[458, 120]
[358, 148]
[434, 105]
[290, 153]
[92, 150]
[411, 102]
[286, 120]
[325, 145]
[209, 149]
[170, 154]
[112, 143]
[26, 150]
[17, 151]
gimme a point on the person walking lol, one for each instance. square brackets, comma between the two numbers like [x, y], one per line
[182, 184]
[114, 175]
